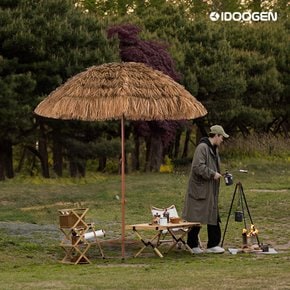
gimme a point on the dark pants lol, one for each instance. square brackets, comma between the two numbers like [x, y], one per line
[213, 233]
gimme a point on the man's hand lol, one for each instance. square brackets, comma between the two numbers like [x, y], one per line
[217, 176]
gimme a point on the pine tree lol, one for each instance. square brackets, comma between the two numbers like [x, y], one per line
[42, 44]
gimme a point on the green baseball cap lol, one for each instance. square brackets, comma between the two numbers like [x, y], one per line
[217, 129]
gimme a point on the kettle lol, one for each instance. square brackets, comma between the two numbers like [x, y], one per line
[228, 178]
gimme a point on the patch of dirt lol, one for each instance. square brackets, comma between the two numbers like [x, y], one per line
[27, 229]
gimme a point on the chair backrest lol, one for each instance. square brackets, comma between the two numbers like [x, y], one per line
[171, 210]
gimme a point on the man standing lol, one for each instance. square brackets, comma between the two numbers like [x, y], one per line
[201, 199]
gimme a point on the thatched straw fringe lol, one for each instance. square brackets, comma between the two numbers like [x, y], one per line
[113, 90]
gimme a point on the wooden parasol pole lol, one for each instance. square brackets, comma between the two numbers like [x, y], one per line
[123, 183]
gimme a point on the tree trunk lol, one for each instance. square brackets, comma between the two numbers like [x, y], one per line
[177, 144]
[2, 174]
[21, 161]
[102, 163]
[168, 151]
[2, 164]
[77, 166]
[186, 143]
[73, 168]
[9, 160]
[147, 156]
[6, 160]
[136, 154]
[57, 152]
[81, 166]
[42, 148]
[156, 150]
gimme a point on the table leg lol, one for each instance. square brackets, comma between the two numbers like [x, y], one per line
[179, 239]
[149, 243]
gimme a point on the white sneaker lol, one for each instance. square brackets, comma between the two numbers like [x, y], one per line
[215, 250]
[197, 250]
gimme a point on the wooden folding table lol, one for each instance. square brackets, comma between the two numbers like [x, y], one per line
[157, 229]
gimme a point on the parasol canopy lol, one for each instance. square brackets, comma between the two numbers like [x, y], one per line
[125, 90]
[114, 90]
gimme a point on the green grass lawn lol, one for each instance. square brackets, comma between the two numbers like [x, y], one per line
[29, 236]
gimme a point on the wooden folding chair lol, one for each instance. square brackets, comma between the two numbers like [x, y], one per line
[79, 236]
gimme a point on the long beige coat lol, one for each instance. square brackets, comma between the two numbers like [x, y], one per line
[201, 199]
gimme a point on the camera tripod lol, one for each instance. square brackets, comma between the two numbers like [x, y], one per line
[240, 216]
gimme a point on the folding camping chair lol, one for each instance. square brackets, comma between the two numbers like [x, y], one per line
[172, 211]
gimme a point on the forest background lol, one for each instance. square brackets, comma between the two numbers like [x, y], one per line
[238, 70]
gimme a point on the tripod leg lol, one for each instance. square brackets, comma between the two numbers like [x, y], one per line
[247, 207]
[229, 214]
[241, 197]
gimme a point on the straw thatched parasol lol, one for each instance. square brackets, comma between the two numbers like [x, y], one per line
[126, 90]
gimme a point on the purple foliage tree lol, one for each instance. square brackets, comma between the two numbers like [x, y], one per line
[158, 134]
[152, 53]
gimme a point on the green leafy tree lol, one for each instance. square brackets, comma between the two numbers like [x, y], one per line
[42, 44]
[79, 141]
[15, 95]
[264, 52]
[238, 71]
[225, 65]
